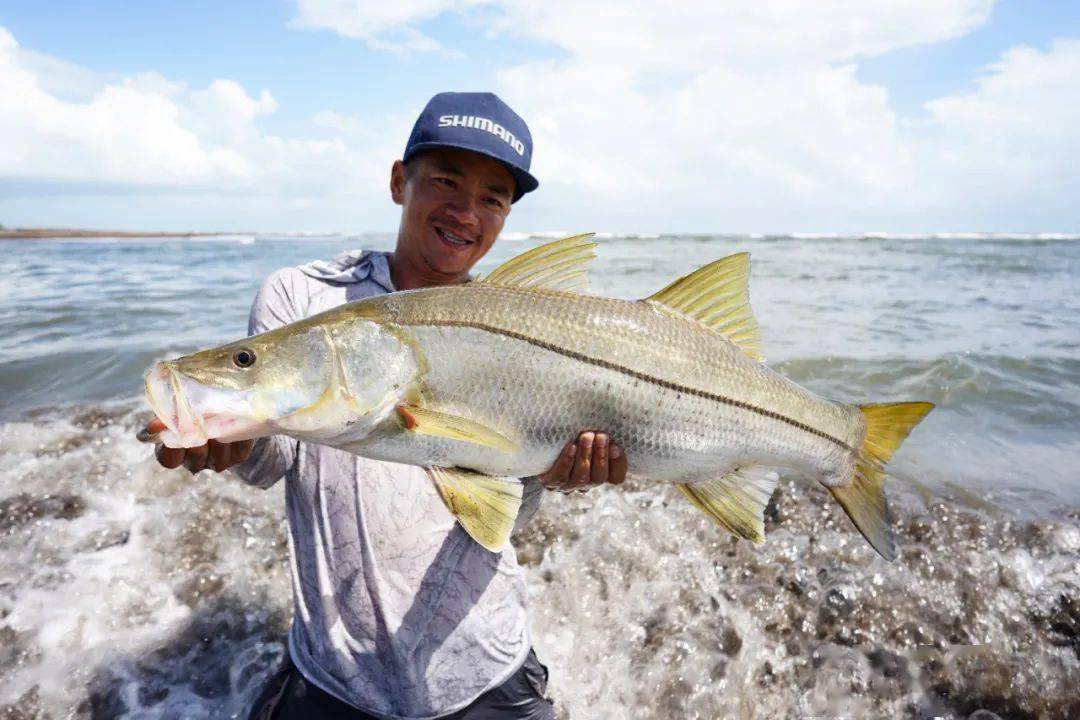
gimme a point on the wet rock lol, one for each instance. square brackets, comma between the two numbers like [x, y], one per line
[889, 664]
[530, 554]
[27, 707]
[106, 538]
[106, 699]
[773, 515]
[533, 541]
[98, 418]
[1061, 624]
[983, 715]
[16, 648]
[657, 628]
[730, 642]
[24, 508]
[199, 588]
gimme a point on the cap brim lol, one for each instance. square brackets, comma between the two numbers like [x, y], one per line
[526, 183]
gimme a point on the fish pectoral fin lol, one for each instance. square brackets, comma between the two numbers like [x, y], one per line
[717, 296]
[558, 265]
[737, 500]
[417, 419]
[485, 506]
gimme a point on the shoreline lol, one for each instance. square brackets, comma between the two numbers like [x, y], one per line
[34, 233]
[49, 233]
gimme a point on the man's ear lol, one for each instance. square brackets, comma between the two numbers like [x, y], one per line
[399, 175]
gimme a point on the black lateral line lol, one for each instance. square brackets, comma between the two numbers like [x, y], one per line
[667, 384]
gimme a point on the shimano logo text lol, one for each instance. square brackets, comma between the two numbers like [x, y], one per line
[481, 123]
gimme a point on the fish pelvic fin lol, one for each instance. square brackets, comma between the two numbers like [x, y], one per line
[558, 265]
[863, 499]
[486, 507]
[423, 421]
[717, 296]
[737, 500]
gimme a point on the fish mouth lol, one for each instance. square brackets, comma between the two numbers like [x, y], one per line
[194, 413]
[167, 398]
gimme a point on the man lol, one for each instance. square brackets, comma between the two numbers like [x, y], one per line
[398, 612]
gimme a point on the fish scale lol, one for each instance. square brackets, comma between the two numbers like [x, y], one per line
[483, 337]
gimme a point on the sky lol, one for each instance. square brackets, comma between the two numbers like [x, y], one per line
[763, 116]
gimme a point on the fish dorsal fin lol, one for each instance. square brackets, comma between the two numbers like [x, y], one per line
[718, 297]
[485, 506]
[558, 265]
[737, 500]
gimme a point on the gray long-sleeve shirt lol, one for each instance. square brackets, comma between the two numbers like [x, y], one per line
[398, 611]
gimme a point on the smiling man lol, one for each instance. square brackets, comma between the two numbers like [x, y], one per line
[398, 612]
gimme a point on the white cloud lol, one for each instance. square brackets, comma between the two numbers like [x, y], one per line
[383, 25]
[741, 33]
[1010, 148]
[740, 115]
[748, 115]
[68, 130]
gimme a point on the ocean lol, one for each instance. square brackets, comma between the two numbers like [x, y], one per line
[127, 590]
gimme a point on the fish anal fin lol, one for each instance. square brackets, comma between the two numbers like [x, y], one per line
[558, 265]
[717, 296]
[485, 506]
[420, 420]
[863, 499]
[737, 500]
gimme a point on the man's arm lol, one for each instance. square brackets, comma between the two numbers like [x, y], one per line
[259, 462]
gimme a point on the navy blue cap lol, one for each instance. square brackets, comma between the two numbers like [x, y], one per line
[480, 123]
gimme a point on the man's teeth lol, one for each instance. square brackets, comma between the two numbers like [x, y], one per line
[456, 240]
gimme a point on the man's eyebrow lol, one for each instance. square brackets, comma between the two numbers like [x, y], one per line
[448, 167]
[498, 189]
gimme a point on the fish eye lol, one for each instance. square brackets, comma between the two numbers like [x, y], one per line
[244, 358]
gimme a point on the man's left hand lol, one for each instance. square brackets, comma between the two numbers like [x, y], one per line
[592, 460]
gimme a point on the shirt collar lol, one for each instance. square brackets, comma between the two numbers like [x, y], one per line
[354, 266]
[380, 270]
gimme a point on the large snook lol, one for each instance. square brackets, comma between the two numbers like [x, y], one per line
[484, 383]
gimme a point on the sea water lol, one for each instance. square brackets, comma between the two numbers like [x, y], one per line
[127, 590]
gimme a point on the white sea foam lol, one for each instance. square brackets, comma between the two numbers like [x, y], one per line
[132, 591]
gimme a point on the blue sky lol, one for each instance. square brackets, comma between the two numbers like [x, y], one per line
[252, 42]
[755, 117]
[923, 72]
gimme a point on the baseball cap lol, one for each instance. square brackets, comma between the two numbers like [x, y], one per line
[480, 123]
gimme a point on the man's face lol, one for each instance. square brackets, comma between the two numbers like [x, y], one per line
[454, 204]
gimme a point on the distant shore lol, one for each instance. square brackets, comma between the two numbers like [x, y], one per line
[39, 233]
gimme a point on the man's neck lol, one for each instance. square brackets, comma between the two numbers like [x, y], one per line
[409, 276]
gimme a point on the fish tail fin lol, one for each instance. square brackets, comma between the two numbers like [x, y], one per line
[887, 425]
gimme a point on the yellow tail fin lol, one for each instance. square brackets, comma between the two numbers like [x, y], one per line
[863, 498]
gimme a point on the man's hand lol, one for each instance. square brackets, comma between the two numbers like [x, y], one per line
[592, 460]
[217, 456]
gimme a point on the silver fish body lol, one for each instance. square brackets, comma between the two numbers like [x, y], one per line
[684, 403]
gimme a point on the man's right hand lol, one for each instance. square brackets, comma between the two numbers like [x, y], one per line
[217, 456]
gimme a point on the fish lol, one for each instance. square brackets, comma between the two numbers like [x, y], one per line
[482, 384]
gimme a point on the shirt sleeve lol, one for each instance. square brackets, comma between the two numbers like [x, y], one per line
[271, 457]
[531, 495]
